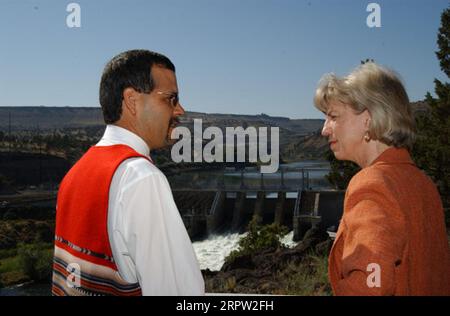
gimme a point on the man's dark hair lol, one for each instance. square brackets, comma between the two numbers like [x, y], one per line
[130, 69]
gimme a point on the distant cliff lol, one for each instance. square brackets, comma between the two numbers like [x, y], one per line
[299, 138]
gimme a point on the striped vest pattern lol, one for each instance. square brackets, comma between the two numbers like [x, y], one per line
[83, 263]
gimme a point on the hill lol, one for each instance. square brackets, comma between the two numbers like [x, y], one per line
[299, 138]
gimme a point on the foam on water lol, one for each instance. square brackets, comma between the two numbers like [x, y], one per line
[287, 240]
[211, 252]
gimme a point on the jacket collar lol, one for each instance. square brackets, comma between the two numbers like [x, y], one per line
[393, 156]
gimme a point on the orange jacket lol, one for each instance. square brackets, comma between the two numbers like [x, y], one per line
[392, 238]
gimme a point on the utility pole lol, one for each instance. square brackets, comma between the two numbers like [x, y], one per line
[40, 156]
[9, 131]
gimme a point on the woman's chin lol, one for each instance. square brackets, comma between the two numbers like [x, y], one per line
[338, 156]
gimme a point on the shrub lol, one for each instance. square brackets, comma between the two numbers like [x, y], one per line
[10, 215]
[259, 238]
[45, 232]
[8, 253]
[6, 240]
[36, 261]
[307, 278]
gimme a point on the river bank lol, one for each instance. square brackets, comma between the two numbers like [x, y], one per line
[301, 270]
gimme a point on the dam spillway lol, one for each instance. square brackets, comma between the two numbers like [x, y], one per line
[206, 212]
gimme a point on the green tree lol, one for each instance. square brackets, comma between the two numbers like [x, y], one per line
[432, 151]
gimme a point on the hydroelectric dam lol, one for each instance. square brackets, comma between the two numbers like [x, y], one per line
[291, 198]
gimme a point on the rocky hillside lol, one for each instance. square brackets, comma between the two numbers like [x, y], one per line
[44, 118]
[298, 137]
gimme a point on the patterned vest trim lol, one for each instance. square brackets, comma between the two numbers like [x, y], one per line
[83, 262]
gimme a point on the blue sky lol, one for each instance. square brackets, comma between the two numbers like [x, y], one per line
[232, 56]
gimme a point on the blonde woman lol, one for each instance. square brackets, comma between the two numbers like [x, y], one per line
[392, 238]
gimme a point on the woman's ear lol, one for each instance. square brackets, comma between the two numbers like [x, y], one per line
[367, 118]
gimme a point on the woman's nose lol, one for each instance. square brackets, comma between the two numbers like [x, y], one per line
[326, 129]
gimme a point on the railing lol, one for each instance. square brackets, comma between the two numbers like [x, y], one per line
[215, 203]
[297, 203]
[292, 179]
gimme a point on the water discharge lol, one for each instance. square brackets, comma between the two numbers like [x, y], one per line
[211, 252]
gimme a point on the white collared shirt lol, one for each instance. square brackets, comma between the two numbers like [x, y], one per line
[148, 239]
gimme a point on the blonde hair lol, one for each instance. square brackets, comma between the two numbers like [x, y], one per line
[378, 90]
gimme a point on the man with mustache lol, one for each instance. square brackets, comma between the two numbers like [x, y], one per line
[118, 230]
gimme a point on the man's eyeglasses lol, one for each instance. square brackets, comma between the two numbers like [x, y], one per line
[173, 97]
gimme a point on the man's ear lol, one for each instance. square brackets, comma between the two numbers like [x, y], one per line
[129, 100]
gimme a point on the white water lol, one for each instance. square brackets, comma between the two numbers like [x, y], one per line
[211, 252]
[287, 240]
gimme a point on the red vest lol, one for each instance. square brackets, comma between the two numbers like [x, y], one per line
[83, 261]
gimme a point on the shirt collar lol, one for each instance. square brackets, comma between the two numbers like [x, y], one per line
[118, 135]
[393, 155]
